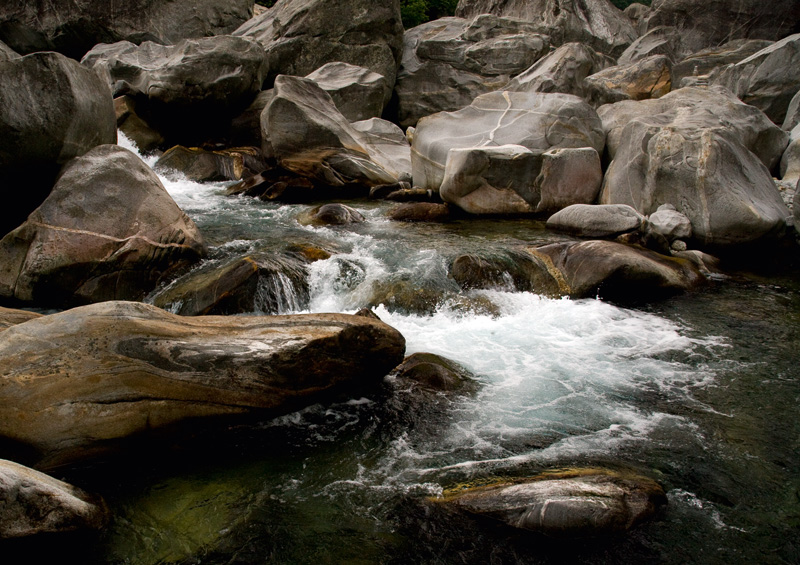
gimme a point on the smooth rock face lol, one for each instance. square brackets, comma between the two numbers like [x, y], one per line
[792, 113]
[596, 23]
[184, 89]
[11, 317]
[670, 223]
[34, 503]
[563, 70]
[51, 110]
[572, 503]
[448, 62]
[538, 122]
[639, 80]
[108, 230]
[331, 214]
[387, 142]
[790, 162]
[708, 24]
[75, 27]
[436, 373]
[704, 152]
[359, 94]
[201, 165]
[703, 62]
[604, 221]
[126, 368]
[7, 53]
[663, 40]
[765, 79]
[302, 35]
[796, 208]
[511, 271]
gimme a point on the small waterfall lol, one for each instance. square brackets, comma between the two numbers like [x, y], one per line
[277, 294]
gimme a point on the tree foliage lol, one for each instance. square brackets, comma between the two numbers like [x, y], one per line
[415, 12]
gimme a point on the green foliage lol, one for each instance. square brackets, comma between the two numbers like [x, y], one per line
[415, 12]
[266, 3]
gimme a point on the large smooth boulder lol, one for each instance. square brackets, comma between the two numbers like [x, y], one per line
[766, 79]
[565, 504]
[108, 230]
[202, 165]
[705, 61]
[51, 110]
[359, 93]
[790, 162]
[714, 22]
[11, 317]
[597, 23]
[663, 40]
[299, 36]
[563, 70]
[704, 152]
[792, 113]
[7, 53]
[76, 26]
[597, 221]
[448, 62]
[538, 122]
[34, 503]
[307, 134]
[650, 77]
[125, 369]
[187, 91]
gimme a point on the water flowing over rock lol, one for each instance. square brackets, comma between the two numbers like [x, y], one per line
[448, 62]
[704, 152]
[201, 165]
[570, 503]
[538, 122]
[75, 27]
[705, 61]
[188, 91]
[359, 94]
[596, 23]
[125, 369]
[765, 79]
[51, 110]
[108, 230]
[646, 78]
[603, 221]
[300, 36]
[712, 23]
[34, 503]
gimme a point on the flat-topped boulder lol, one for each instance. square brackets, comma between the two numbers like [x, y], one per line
[597, 221]
[125, 369]
[108, 230]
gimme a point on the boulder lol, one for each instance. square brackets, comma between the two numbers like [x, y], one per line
[637, 13]
[421, 212]
[331, 214]
[302, 35]
[310, 137]
[708, 24]
[792, 113]
[190, 91]
[790, 162]
[598, 221]
[107, 230]
[359, 93]
[266, 284]
[11, 317]
[245, 129]
[435, 373]
[668, 222]
[201, 165]
[7, 53]
[536, 121]
[765, 79]
[563, 70]
[571, 503]
[34, 503]
[642, 79]
[132, 126]
[448, 62]
[596, 23]
[512, 179]
[705, 61]
[510, 270]
[51, 110]
[125, 369]
[704, 152]
[387, 142]
[796, 208]
[663, 40]
[76, 26]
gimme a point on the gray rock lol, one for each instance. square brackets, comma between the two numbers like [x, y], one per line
[637, 13]
[704, 152]
[563, 70]
[670, 223]
[420, 212]
[188, 89]
[596, 23]
[132, 126]
[302, 35]
[51, 110]
[604, 221]
[662, 40]
[511, 271]
[448, 62]
[34, 503]
[539, 122]
[126, 369]
[387, 142]
[511, 179]
[790, 162]
[11, 317]
[705, 61]
[796, 208]
[7, 53]
[435, 373]
[201, 165]
[108, 230]
[642, 79]
[331, 214]
[571, 503]
[359, 94]
[708, 24]
[792, 113]
[765, 79]
[74, 27]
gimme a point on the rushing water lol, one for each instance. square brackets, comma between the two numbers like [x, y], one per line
[699, 392]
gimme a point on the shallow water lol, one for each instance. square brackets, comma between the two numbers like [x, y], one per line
[699, 392]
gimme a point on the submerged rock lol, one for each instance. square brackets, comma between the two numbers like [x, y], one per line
[436, 373]
[34, 503]
[79, 381]
[571, 503]
[332, 214]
